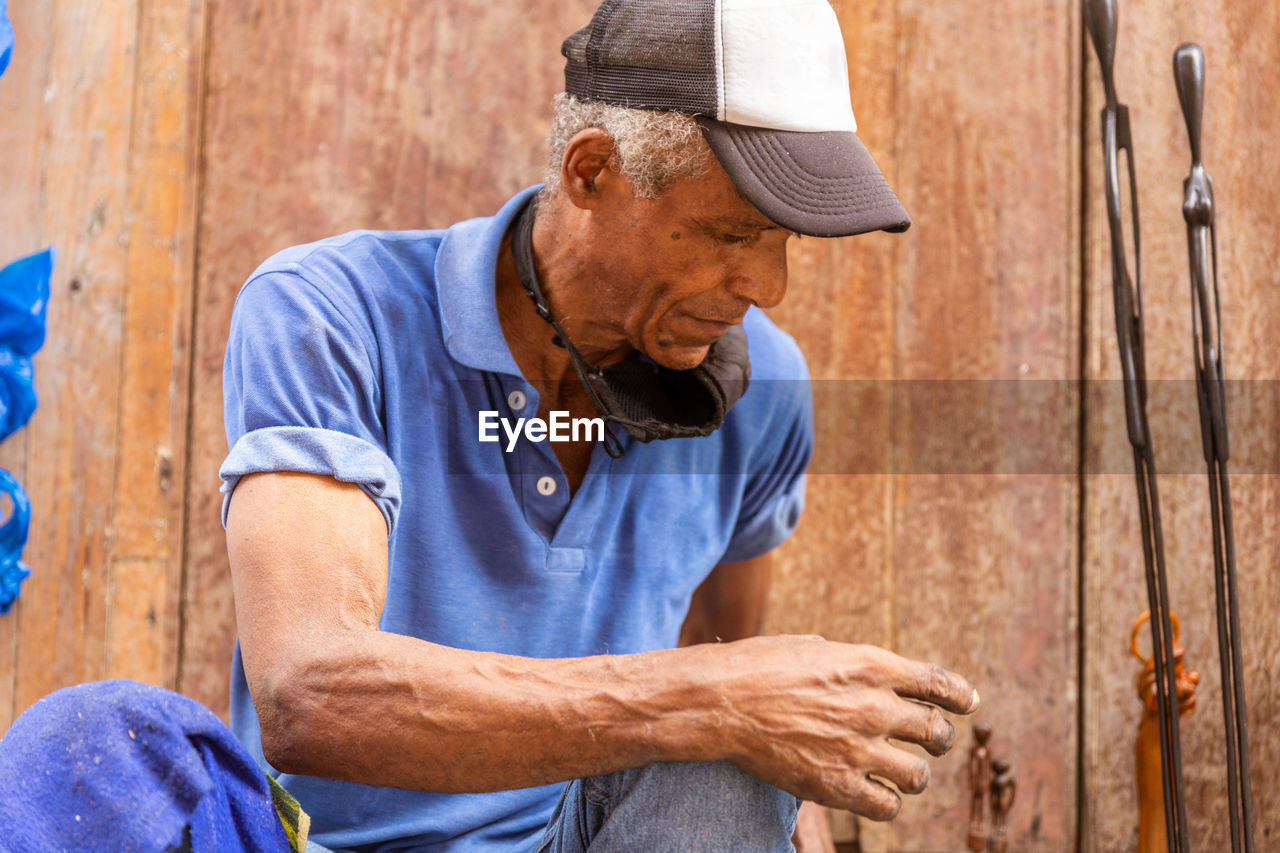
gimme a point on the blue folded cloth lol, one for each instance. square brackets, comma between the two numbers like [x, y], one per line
[119, 766]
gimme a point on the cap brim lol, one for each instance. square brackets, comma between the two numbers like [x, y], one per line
[820, 184]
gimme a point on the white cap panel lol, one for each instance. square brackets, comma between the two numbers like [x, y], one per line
[782, 66]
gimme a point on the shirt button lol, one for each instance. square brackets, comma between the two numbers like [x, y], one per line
[546, 486]
[516, 400]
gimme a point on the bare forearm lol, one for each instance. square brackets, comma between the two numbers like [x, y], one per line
[396, 711]
[338, 698]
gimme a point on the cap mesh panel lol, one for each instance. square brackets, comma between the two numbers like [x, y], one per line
[650, 54]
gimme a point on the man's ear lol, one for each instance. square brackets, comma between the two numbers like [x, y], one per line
[586, 158]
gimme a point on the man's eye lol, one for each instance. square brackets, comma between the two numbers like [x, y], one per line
[737, 238]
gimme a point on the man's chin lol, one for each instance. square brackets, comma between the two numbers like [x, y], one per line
[678, 356]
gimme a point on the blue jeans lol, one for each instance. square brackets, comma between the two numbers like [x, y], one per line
[122, 766]
[708, 808]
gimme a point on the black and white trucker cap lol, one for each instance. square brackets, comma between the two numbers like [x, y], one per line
[769, 84]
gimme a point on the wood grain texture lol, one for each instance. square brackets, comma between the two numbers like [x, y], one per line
[979, 118]
[71, 468]
[146, 569]
[21, 91]
[104, 170]
[835, 576]
[1239, 153]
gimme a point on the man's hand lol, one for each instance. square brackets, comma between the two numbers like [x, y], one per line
[816, 718]
[872, 696]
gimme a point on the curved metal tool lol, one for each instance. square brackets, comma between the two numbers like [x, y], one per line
[1101, 18]
[1206, 325]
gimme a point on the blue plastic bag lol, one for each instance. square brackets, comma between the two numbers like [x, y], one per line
[13, 537]
[17, 392]
[24, 295]
[6, 38]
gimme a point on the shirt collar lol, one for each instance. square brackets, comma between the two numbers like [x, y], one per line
[466, 287]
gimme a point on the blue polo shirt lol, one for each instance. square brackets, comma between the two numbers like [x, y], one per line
[368, 357]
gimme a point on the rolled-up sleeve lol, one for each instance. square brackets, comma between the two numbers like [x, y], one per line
[302, 390]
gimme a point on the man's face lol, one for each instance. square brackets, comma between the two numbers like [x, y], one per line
[677, 271]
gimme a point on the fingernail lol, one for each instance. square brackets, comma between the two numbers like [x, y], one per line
[973, 706]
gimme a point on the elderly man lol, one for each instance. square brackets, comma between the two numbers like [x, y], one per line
[448, 606]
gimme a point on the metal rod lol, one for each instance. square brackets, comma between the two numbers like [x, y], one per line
[1206, 326]
[1101, 17]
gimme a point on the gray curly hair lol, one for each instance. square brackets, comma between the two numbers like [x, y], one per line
[652, 149]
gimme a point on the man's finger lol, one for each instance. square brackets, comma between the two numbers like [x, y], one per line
[874, 800]
[927, 682]
[924, 725]
[909, 772]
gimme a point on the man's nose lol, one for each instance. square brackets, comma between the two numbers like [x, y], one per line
[761, 278]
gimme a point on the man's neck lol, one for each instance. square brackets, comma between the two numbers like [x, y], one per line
[566, 284]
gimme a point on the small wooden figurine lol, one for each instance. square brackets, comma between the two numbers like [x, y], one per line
[1151, 823]
[1003, 790]
[979, 786]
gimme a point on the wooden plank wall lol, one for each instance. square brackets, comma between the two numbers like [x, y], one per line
[100, 160]
[168, 147]
[974, 572]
